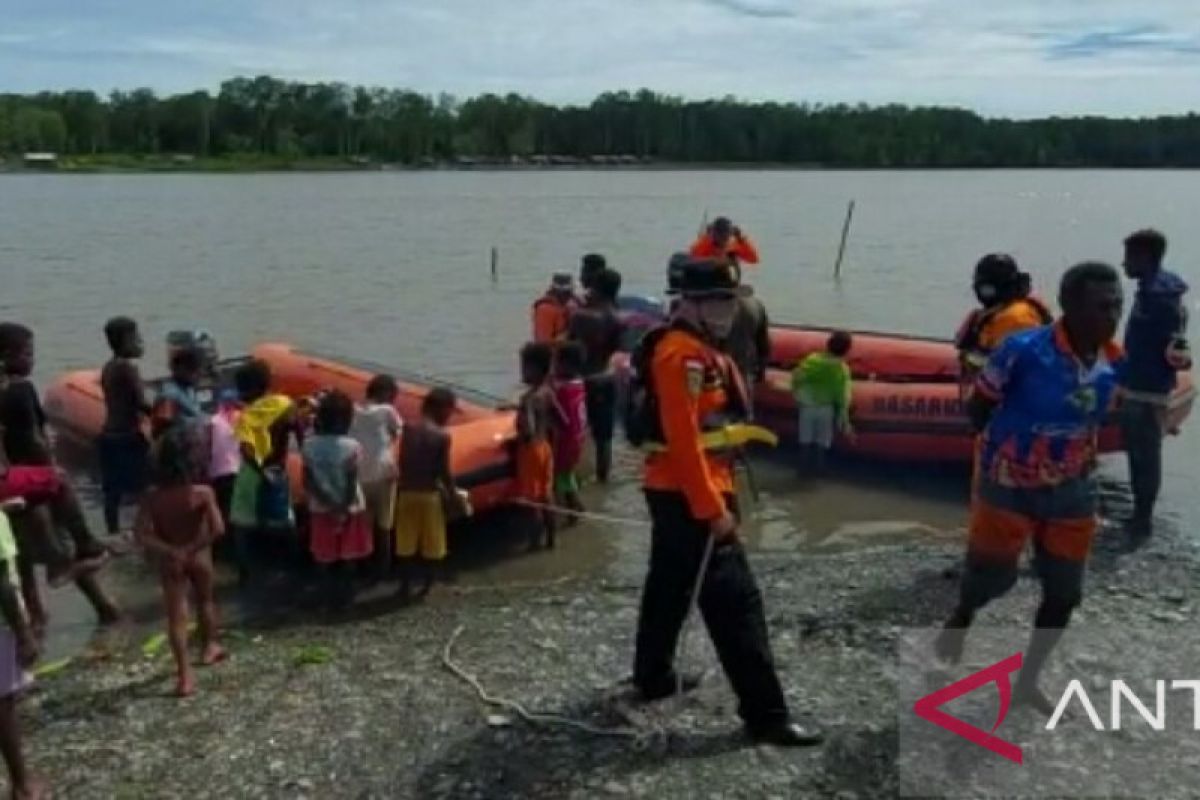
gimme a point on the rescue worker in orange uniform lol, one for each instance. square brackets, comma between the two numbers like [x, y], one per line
[723, 239]
[552, 311]
[689, 489]
[1006, 307]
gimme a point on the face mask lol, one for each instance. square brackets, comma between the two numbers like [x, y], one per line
[717, 317]
[985, 292]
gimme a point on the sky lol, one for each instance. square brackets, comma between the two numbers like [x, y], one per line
[1019, 58]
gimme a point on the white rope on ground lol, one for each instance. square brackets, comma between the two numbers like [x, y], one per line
[535, 718]
[588, 515]
[532, 717]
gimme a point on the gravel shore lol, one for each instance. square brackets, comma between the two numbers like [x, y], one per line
[363, 706]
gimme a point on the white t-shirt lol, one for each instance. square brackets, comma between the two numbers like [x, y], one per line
[377, 428]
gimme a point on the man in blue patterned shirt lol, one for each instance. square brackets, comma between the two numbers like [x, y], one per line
[1039, 404]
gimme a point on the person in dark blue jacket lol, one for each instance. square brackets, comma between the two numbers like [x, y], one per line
[1155, 350]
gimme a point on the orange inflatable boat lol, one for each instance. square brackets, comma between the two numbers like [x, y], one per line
[907, 403]
[479, 430]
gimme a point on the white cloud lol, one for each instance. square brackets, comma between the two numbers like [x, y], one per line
[1023, 57]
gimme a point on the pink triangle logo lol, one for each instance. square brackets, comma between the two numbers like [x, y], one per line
[929, 708]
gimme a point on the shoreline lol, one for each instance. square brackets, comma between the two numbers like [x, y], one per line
[135, 165]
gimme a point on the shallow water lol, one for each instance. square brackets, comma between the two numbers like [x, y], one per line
[393, 267]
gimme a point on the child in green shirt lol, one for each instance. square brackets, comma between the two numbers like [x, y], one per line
[821, 384]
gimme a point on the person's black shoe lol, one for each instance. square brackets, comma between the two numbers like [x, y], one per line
[687, 683]
[786, 734]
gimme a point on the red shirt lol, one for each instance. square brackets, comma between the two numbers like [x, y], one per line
[740, 247]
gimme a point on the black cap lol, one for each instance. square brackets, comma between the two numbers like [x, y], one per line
[692, 277]
[998, 268]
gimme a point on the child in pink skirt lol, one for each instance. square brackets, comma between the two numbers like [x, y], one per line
[339, 530]
[570, 397]
[18, 652]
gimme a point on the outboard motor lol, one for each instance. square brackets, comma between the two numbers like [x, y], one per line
[198, 339]
[202, 341]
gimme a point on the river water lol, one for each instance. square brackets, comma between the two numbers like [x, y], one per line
[394, 267]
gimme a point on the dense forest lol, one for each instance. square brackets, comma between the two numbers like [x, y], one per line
[267, 117]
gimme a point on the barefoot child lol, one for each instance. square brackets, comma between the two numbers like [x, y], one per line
[25, 444]
[535, 431]
[425, 479]
[18, 652]
[821, 385]
[377, 428]
[177, 523]
[338, 525]
[570, 407]
[123, 448]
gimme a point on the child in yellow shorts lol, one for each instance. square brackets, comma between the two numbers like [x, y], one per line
[424, 478]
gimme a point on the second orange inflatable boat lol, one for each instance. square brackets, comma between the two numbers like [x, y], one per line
[907, 402]
[479, 429]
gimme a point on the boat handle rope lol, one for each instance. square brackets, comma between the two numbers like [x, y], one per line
[543, 718]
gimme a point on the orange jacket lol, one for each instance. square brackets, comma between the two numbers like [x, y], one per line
[550, 317]
[740, 248]
[689, 379]
[986, 329]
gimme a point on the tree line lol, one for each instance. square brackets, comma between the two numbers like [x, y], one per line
[264, 116]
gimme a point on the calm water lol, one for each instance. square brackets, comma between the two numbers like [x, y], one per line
[394, 267]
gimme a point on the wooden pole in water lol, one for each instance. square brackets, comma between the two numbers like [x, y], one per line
[837, 267]
[495, 264]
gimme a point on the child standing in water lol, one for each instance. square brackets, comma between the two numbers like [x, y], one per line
[821, 384]
[377, 428]
[570, 398]
[535, 431]
[123, 448]
[18, 652]
[338, 526]
[261, 501]
[425, 479]
[177, 523]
